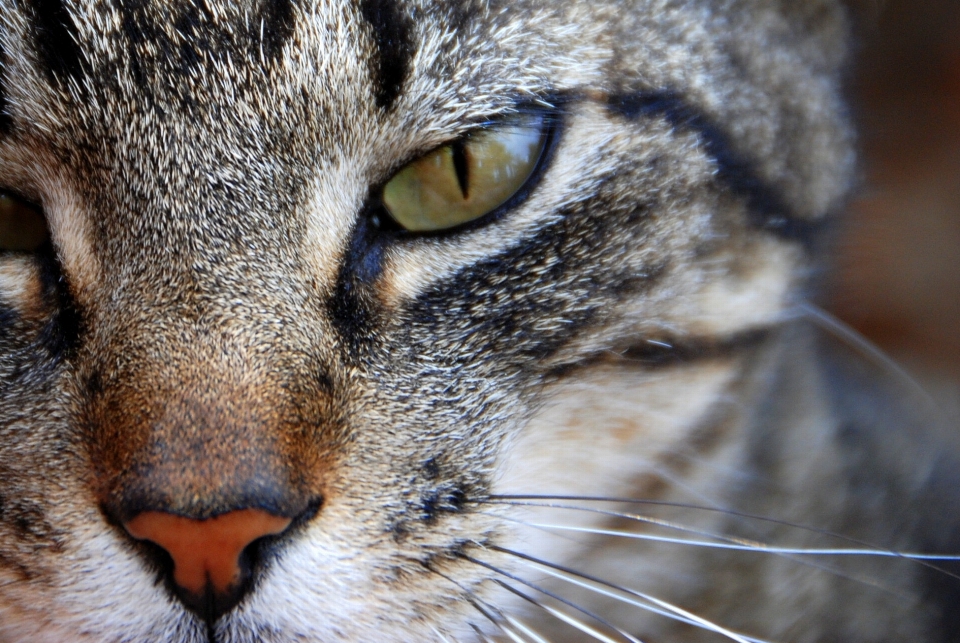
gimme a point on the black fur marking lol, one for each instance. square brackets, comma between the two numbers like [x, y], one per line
[61, 334]
[494, 307]
[353, 308]
[95, 384]
[431, 469]
[8, 322]
[768, 210]
[136, 33]
[276, 22]
[446, 499]
[159, 60]
[392, 35]
[29, 523]
[194, 28]
[6, 121]
[55, 36]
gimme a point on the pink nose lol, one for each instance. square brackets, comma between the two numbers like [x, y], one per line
[205, 552]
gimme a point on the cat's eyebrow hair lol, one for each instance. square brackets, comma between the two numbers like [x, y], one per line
[767, 209]
[55, 38]
[390, 65]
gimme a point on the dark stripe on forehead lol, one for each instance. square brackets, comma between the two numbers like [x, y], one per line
[392, 36]
[277, 25]
[6, 122]
[55, 37]
[768, 210]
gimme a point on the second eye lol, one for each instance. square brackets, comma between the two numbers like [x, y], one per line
[465, 180]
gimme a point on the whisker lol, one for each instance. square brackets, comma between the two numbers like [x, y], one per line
[668, 609]
[440, 636]
[869, 548]
[641, 519]
[526, 629]
[487, 610]
[495, 616]
[749, 545]
[800, 560]
[503, 622]
[865, 347]
[566, 618]
[480, 635]
[524, 523]
[562, 616]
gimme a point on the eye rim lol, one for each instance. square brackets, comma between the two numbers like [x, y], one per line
[46, 243]
[382, 221]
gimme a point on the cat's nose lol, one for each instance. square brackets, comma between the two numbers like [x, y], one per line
[207, 554]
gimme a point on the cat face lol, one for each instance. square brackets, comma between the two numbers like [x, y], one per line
[228, 317]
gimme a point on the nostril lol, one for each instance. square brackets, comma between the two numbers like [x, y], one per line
[207, 553]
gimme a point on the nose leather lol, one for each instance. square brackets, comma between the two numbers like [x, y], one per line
[205, 553]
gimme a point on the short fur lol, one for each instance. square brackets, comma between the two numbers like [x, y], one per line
[220, 323]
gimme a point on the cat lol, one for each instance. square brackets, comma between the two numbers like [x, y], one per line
[413, 320]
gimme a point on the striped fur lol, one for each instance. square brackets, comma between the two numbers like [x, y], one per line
[223, 321]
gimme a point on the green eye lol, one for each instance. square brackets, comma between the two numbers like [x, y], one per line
[465, 180]
[23, 227]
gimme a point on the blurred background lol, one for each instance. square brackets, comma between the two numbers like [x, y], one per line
[896, 275]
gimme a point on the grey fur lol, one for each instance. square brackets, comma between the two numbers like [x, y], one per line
[221, 323]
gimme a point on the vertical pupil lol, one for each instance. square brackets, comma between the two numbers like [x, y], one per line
[461, 167]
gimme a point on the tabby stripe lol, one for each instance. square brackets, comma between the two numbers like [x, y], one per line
[768, 210]
[276, 26]
[392, 36]
[6, 122]
[60, 336]
[507, 307]
[55, 37]
[8, 321]
[352, 306]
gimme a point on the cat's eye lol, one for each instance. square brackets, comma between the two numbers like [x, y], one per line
[467, 179]
[23, 228]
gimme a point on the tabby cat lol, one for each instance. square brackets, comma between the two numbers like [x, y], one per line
[426, 321]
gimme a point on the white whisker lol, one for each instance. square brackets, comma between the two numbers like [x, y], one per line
[488, 611]
[499, 619]
[560, 599]
[868, 349]
[513, 634]
[744, 545]
[440, 636]
[800, 560]
[527, 501]
[566, 618]
[483, 637]
[526, 629]
[659, 606]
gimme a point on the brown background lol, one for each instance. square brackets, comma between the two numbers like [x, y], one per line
[896, 275]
